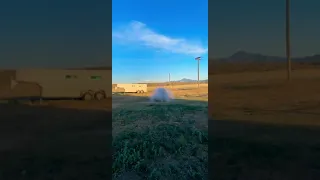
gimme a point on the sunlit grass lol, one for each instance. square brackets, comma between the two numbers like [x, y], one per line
[161, 141]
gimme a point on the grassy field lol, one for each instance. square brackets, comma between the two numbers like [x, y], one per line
[72, 139]
[53, 140]
[161, 140]
[260, 127]
[187, 91]
[46, 142]
[263, 127]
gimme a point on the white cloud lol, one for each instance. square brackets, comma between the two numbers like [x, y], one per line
[139, 33]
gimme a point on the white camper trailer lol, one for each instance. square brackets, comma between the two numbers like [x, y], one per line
[131, 88]
[61, 83]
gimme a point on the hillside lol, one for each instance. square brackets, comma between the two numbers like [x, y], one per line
[243, 61]
[185, 80]
[247, 57]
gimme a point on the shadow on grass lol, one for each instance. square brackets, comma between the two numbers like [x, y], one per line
[54, 143]
[159, 140]
[249, 150]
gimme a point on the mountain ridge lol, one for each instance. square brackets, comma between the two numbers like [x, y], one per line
[248, 57]
[186, 80]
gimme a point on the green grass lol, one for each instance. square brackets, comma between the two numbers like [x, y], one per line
[160, 141]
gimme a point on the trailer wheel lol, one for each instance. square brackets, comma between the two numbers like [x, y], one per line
[99, 95]
[138, 92]
[91, 92]
[87, 96]
[142, 91]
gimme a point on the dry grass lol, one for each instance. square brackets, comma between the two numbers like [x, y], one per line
[69, 139]
[160, 140]
[185, 91]
[174, 84]
[55, 139]
[264, 127]
[54, 143]
[266, 96]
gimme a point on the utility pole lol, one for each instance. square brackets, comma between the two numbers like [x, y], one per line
[288, 53]
[198, 59]
[170, 81]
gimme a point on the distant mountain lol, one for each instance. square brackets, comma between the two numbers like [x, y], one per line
[189, 80]
[247, 57]
[185, 80]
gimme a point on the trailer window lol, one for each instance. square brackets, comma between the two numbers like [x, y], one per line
[96, 77]
[71, 77]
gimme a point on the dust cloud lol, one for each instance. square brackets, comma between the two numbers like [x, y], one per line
[161, 95]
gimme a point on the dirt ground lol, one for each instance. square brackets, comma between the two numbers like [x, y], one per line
[263, 127]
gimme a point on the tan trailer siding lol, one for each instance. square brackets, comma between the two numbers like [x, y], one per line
[54, 82]
[133, 87]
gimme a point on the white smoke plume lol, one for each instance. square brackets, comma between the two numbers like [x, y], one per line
[161, 95]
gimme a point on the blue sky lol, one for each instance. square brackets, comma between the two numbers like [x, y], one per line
[154, 38]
